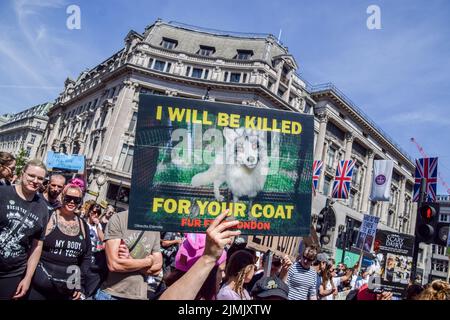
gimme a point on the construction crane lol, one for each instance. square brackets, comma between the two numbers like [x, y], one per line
[423, 153]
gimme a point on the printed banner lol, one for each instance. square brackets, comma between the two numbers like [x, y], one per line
[381, 181]
[367, 233]
[193, 159]
[395, 252]
[72, 162]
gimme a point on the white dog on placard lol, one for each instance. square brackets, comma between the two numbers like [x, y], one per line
[243, 165]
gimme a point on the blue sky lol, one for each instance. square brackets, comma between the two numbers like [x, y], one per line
[399, 75]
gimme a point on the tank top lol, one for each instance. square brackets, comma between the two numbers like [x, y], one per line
[62, 249]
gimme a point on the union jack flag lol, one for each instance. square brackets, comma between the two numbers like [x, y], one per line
[426, 168]
[317, 168]
[343, 179]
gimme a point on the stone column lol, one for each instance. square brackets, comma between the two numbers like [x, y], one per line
[279, 71]
[288, 91]
[348, 145]
[323, 119]
[367, 181]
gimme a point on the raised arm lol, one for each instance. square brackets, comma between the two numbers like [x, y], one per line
[217, 237]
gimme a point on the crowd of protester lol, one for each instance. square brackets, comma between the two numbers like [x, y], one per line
[55, 245]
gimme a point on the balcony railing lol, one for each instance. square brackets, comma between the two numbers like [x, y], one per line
[362, 114]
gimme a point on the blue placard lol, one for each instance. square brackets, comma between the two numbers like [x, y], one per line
[64, 161]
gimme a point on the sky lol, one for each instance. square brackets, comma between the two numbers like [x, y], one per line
[398, 75]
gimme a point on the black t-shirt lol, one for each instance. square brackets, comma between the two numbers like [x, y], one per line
[21, 221]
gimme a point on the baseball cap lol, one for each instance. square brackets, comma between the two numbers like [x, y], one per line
[191, 250]
[270, 287]
[322, 257]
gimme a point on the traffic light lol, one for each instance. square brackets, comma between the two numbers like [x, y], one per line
[426, 225]
[320, 221]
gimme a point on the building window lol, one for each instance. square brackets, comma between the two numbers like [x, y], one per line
[326, 185]
[119, 193]
[443, 217]
[205, 75]
[33, 139]
[352, 199]
[28, 151]
[356, 176]
[38, 124]
[244, 54]
[150, 63]
[390, 217]
[126, 158]
[245, 78]
[168, 66]
[225, 77]
[169, 43]
[159, 65]
[235, 77]
[188, 71]
[196, 73]
[206, 51]
[133, 121]
[331, 153]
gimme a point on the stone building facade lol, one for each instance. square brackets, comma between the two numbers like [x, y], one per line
[95, 115]
[24, 130]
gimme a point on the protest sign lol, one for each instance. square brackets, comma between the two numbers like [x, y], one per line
[72, 162]
[193, 159]
[395, 251]
[367, 233]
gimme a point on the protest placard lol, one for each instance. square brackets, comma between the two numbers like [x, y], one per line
[395, 251]
[193, 159]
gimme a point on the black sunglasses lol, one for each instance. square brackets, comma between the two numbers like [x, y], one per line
[68, 199]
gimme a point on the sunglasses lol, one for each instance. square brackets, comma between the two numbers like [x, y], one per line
[68, 199]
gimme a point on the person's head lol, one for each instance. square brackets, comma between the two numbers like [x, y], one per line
[33, 175]
[390, 262]
[270, 288]
[109, 212]
[55, 185]
[308, 256]
[71, 198]
[240, 268]
[191, 250]
[79, 182]
[328, 273]
[322, 260]
[413, 291]
[276, 263]
[437, 290]
[94, 212]
[364, 272]
[7, 165]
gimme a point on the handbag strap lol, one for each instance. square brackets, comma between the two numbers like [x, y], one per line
[137, 240]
